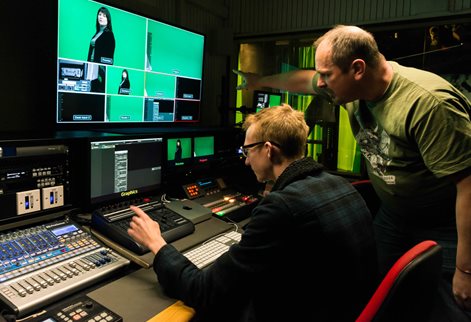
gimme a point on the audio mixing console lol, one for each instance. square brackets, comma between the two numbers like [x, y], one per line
[44, 263]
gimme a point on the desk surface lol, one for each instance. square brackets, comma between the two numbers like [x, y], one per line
[137, 297]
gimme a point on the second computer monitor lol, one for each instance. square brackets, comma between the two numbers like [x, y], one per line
[121, 169]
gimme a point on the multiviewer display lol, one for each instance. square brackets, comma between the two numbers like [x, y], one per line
[124, 168]
[114, 66]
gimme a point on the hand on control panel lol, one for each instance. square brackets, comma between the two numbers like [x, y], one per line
[145, 231]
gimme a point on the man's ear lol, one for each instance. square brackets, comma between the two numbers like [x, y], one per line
[358, 68]
[273, 154]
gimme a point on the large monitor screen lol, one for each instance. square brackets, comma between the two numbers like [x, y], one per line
[125, 168]
[117, 67]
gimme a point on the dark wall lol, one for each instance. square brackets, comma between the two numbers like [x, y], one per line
[28, 54]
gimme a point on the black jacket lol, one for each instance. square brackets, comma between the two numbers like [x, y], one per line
[104, 48]
[307, 254]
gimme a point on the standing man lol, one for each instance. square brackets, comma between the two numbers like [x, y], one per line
[307, 253]
[414, 131]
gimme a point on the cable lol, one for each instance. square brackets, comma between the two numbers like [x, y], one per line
[429, 52]
[232, 222]
[32, 316]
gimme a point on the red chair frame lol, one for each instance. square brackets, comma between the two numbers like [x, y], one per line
[406, 292]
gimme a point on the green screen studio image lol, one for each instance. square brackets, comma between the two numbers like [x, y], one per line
[131, 70]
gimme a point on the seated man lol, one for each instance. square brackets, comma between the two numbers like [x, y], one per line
[310, 216]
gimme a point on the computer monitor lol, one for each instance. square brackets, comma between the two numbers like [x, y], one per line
[263, 99]
[203, 148]
[179, 151]
[115, 67]
[126, 168]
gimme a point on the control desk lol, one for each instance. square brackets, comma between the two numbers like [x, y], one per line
[137, 296]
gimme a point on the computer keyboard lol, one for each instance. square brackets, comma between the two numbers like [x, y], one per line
[113, 222]
[209, 251]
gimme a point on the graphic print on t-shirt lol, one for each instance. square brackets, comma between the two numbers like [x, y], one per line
[374, 144]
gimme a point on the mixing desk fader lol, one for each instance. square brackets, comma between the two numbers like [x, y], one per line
[41, 264]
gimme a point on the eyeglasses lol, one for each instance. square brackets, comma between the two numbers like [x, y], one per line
[246, 148]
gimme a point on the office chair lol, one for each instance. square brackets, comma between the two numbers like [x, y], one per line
[407, 291]
[366, 190]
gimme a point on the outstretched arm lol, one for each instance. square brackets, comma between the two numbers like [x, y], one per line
[298, 81]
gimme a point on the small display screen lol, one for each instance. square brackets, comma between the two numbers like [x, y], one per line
[204, 146]
[64, 230]
[264, 99]
[179, 151]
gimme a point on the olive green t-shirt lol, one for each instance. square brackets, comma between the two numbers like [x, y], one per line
[416, 135]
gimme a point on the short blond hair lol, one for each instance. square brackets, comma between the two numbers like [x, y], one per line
[282, 125]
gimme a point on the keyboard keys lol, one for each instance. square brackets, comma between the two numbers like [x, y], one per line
[208, 252]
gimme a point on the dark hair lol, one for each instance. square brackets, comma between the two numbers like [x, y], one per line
[349, 43]
[108, 16]
[125, 71]
[125, 82]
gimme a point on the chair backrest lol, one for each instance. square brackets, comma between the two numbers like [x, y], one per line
[366, 190]
[407, 291]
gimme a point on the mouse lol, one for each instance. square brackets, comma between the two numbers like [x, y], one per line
[187, 208]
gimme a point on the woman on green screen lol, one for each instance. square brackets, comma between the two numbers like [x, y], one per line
[178, 151]
[102, 44]
[125, 85]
